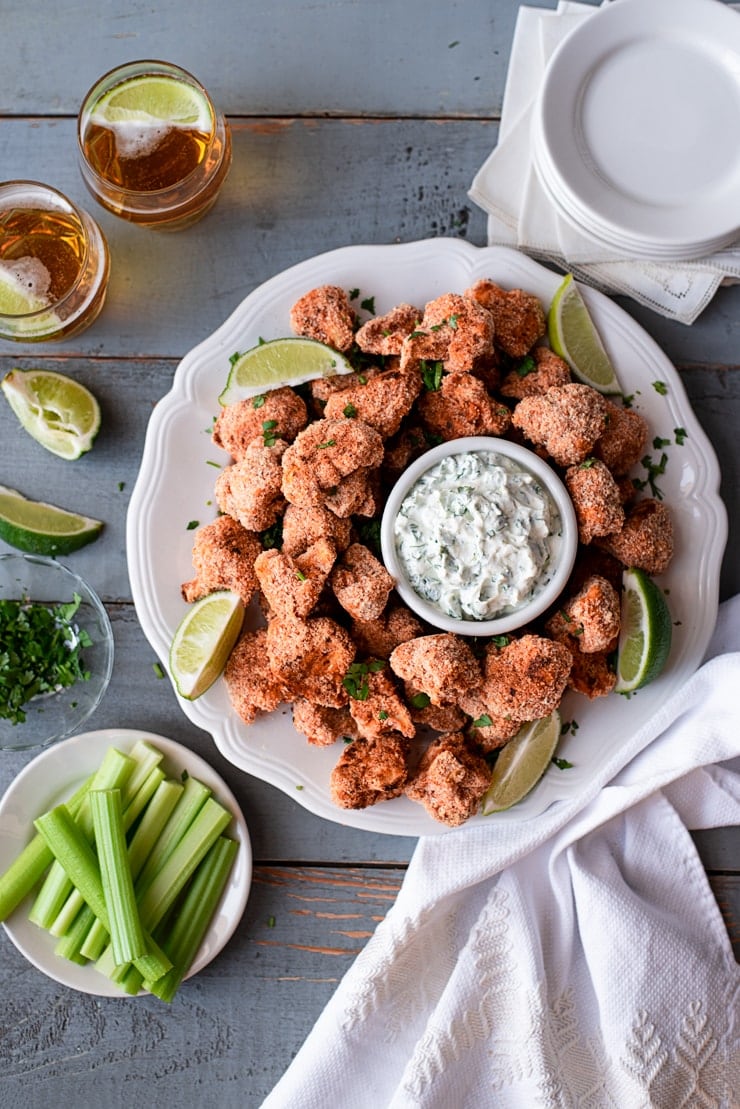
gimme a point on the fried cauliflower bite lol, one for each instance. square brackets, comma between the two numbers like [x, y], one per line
[518, 317]
[462, 406]
[589, 621]
[292, 586]
[381, 402]
[383, 711]
[252, 684]
[370, 770]
[378, 638]
[621, 445]
[400, 452]
[567, 420]
[450, 780]
[530, 380]
[486, 732]
[440, 718]
[596, 499]
[223, 558]
[385, 334]
[454, 330]
[302, 527]
[325, 314]
[526, 679]
[592, 675]
[323, 726]
[281, 411]
[442, 666]
[251, 490]
[323, 388]
[361, 583]
[645, 539]
[310, 658]
[330, 463]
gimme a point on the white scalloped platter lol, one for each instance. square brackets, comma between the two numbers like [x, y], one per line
[175, 486]
[50, 779]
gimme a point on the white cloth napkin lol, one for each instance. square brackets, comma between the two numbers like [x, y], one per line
[520, 213]
[577, 960]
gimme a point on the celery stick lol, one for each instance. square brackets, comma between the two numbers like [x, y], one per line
[127, 935]
[152, 822]
[157, 898]
[29, 866]
[146, 758]
[194, 916]
[194, 796]
[68, 946]
[114, 770]
[73, 850]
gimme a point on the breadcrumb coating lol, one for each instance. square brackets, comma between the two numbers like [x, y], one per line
[329, 464]
[621, 445]
[589, 621]
[442, 666]
[310, 658]
[596, 499]
[530, 380]
[525, 680]
[293, 586]
[440, 718]
[487, 732]
[646, 538]
[385, 334]
[462, 406]
[325, 314]
[378, 638]
[381, 403]
[518, 317]
[281, 412]
[370, 770]
[383, 710]
[223, 558]
[402, 449]
[450, 780]
[323, 726]
[305, 525]
[251, 490]
[252, 684]
[566, 420]
[592, 675]
[361, 583]
[454, 330]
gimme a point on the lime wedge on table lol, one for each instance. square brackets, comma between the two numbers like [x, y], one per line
[59, 413]
[154, 97]
[40, 528]
[574, 338]
[290, 361]
[645, 634]
[522, 762]
[203, 642]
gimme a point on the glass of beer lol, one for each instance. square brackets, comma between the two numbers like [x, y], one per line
[153, 149]
[54, 264]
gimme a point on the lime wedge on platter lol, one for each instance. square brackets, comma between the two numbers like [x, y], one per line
[203, 642]
[574, 338]
[40, 528]
[59, 413]
[521, 763]
[646, 632]
[279, 362]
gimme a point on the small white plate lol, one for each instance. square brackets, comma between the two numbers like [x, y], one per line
[639, 110]
[49, 780]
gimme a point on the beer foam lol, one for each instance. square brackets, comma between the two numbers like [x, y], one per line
[29, 276]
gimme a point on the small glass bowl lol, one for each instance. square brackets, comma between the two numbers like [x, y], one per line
[566, 553]
[54, 716]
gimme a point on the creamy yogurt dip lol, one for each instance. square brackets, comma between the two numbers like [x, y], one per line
[478, 535]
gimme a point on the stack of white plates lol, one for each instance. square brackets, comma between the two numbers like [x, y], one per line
[636, 136]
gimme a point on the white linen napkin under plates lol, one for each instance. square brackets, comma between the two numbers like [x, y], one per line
[520, 213]
[577, 960]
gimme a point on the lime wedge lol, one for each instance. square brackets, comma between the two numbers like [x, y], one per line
[575, 339]
[59, 413]
[152, 97]
[522, 762]
[203, 642]
[645, 633]
[19, 303]
[279, 362]
[40, 528]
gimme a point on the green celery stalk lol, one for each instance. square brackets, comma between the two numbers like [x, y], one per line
[127, 935]
[29, 867]
[68, 946]
[114, 770]
[138, 803]
[146, 758]
[194, 916]
[77, 856]
[194, 796]
[155, 816]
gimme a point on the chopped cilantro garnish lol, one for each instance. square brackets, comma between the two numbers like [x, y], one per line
[526, 366]
[431, 375]
[420, 700]
[328, 443]
[355, 680]
[483, 721]
[193, 524]
[681, 435]
[660, 387]
[158, 671]
[349, 411]
[258, 401]
[368, 304]
[562, 764]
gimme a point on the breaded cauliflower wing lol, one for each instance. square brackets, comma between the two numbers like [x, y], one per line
[330, 464]
[252, 684]
[293, 586]
[518, 317]
[624, 439]
[454, 330]
[442, 666]
[385, 334]
[323, 726]
[381, 402]
[537, 373]
[462, 406]
[310, 658]
[450, 780]
[370, 770]
[325, 314]
[279, 412]
[223, 558]
[361, 583]
[251, 490]
[567, 420]
[525, 680]
[596, 499]
[645, 539]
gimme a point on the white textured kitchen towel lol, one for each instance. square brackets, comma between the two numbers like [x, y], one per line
[521, 215]
[578, 960]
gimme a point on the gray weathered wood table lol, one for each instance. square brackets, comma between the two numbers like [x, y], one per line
[353, 122]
